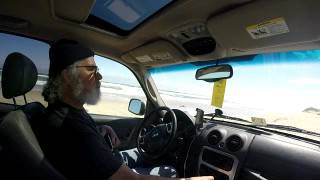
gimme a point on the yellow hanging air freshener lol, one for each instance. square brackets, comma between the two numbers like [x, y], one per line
[218, 93]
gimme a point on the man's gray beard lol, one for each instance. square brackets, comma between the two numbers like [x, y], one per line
[91, 97]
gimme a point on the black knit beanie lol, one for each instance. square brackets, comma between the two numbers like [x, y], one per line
[64, 53]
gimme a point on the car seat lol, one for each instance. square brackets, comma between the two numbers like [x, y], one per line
[20, 153]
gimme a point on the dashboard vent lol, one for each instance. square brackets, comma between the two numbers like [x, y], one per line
[214, 137]
[234, 143]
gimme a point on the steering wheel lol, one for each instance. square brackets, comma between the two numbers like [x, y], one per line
[154, 135]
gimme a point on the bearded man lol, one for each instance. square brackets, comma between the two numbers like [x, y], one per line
[69, 136]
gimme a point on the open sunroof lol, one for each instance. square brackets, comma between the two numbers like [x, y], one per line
[122, 16]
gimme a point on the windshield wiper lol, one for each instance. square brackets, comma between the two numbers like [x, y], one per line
[219, 113]
[290, 128]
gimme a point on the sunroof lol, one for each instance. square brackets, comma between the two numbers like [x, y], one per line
[124, 15]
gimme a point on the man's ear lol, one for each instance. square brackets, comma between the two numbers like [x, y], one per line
[65, 76]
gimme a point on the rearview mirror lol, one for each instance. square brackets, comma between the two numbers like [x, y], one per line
[136, 106]
[214, 73]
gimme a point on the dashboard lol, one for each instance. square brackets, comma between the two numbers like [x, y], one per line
[231, 151]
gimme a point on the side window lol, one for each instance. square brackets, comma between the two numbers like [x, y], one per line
[37, 51]
[118, 86]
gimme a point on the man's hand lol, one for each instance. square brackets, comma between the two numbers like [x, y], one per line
[124, 172]
[201, 178]
[107, 130]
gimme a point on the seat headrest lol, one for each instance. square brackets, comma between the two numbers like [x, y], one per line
[19, 75]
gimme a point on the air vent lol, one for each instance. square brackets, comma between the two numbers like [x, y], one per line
[234, 143]
[214, 137]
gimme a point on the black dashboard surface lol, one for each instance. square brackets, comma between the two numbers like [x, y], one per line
[232, 151]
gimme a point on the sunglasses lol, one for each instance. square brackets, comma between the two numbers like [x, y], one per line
[94, 69]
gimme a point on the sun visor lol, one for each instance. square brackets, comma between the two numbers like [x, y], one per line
[262, 24]
[156, 53]
[72, 10]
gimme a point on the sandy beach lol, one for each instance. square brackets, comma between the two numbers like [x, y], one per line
[115, 100]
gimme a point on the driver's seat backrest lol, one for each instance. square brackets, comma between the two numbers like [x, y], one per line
[20, 154]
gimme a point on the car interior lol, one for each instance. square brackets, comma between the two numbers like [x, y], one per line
[154, 35]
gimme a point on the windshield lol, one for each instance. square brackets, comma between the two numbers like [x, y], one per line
[283, 88]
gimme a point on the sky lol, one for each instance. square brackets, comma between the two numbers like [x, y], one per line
[37, 51]
[115, 72]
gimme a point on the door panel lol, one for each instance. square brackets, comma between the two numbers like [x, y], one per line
[126, 128]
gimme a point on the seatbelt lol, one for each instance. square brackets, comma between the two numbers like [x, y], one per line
[109, 141]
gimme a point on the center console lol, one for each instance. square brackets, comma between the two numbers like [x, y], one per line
[217, 163]
[218, 151]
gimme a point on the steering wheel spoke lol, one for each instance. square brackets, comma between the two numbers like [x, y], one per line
[142, 135]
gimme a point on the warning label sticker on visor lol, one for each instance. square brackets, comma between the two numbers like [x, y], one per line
[268, 28]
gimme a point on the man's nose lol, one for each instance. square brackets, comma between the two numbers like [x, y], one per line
[99, 76]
